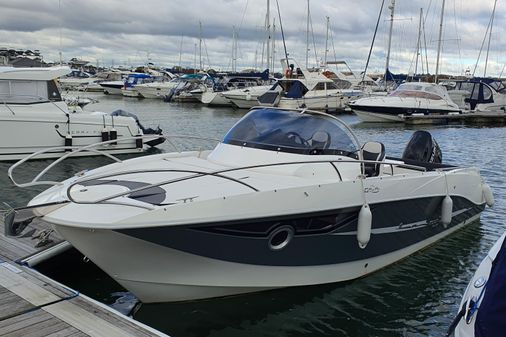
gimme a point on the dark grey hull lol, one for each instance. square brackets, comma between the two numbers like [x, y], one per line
[322, 238]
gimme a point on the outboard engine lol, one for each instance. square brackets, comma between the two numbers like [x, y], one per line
[145, 131]
[422, 147]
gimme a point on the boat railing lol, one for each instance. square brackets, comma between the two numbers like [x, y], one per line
[27, 99]
[72, 151]
[217, 173]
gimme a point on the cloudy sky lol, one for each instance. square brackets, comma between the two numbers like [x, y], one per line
[166, 32]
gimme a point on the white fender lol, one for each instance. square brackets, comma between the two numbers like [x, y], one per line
[488, 195]
[364, 225]
[446, 210]
[248, 96]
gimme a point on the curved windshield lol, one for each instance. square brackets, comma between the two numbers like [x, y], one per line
[291, 131]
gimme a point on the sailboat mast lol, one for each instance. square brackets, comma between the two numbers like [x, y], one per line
[326, 43]
[268, 22]
[59, 12]
[307, 36]
[273, 45]
[489, 37]
[372, 42]
[392, 9]
[200, 45]
[180, 50]
[234, 49]
[418, 41]
[439, 41]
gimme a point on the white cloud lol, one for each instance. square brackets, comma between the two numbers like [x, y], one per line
[131, 31]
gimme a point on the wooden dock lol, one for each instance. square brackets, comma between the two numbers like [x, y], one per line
[32, 304]
[472, 117]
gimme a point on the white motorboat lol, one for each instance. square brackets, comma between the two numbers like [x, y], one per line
[409, 99]
[300, 88]
[76, 80]
[129, 88]
[113, 87]
[215, 96]
[287, 198]
[33, 117]
[482, 309]
[246, 98]
[156, 89]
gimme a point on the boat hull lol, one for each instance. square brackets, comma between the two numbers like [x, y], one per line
[178, 263]
[43, 126]
[395, 109]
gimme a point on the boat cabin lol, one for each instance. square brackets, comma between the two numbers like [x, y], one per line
[137, 78]
[30, 85]
[480, 90]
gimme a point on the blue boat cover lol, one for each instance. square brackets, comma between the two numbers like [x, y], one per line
[296, 90]
[491, 315]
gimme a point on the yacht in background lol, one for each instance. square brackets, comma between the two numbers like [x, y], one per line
[246, 98]
[128, 89]
[76, 80]
[409, 99]
[300, 88]
[157, 89]
[216, 96]
[34, 117]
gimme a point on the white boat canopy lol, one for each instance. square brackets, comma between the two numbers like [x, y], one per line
[33, 74]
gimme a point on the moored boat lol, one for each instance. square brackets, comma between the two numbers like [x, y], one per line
[34, 117]
[409, 99]
[287, 198]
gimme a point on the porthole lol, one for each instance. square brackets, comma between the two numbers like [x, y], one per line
[280, 237]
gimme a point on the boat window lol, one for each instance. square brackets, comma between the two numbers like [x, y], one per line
[467, 86]
[320, 86]
[53, 92]
[416, 94]
[487, 93]
[339, 84]
[410, 86]
[23, 91]
[475, 94]
[497, 86]
[293, 89]
[291, 131]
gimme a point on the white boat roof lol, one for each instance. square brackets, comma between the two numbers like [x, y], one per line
[34, 74]
[432, 88]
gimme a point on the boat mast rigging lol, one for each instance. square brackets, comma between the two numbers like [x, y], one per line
[439, 41]
[489, 38]
[387, 66]
[372, 42]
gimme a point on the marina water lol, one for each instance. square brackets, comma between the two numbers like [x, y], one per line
[418, 296]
